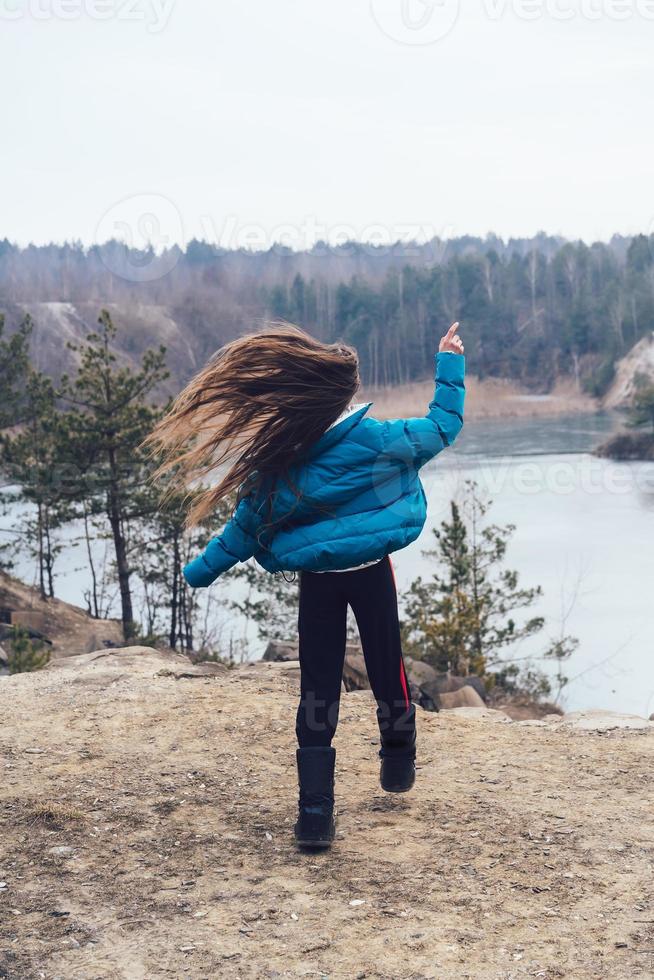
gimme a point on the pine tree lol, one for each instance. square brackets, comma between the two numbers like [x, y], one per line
[108, 417]
[14, 369]
[462, 618]
[29, 456]
[25, 654]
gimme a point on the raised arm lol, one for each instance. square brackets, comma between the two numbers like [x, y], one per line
[420, 439]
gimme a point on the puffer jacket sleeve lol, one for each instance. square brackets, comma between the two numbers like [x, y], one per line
[238, 542]
[420, 439]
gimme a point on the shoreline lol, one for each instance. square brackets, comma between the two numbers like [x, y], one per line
[628, 446]
[492, 398]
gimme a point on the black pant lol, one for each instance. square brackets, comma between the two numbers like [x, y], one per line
[324, 598]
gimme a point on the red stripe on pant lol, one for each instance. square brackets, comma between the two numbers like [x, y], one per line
[403, 680]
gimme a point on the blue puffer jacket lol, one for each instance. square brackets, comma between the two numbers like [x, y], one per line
[361, 496]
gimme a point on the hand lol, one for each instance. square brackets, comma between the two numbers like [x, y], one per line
[451, 341]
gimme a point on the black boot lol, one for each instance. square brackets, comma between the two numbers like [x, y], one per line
[315, 824]
[398, 758]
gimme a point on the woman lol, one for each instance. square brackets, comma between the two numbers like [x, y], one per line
[324, 490]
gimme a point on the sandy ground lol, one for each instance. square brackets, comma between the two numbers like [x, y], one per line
[490, 398]
[147, 832]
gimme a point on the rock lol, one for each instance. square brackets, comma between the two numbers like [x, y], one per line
[277, 651]
[419, 672]
[429, 689]
[363, 696]
[479, 686]
[604, 721]
[523, 709]
[639, 360]
[286, 667]
[355, 675]
[281, 651]
[447, 683]
[492, 714]
[627, 446]
[465, 697]
[421, 698]
[447, 691]
[61, 851]
[121, 657]
[207, 668]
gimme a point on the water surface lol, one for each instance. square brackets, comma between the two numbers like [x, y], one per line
[584, 532]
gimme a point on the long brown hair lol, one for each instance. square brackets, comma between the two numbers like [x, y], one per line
[257, 407]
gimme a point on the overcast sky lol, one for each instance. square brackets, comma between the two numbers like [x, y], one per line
[249, 120]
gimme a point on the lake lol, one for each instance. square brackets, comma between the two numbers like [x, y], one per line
[584, 532]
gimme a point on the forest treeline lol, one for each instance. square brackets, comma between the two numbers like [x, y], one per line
[533, 309]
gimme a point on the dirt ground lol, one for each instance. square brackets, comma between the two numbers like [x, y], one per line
[147, 833]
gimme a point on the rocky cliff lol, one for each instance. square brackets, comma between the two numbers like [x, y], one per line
[147, 808]
[67, 629]
[57, 324]
[639, 360]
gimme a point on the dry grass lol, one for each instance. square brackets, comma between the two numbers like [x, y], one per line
[491, 398]
[47, 813]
